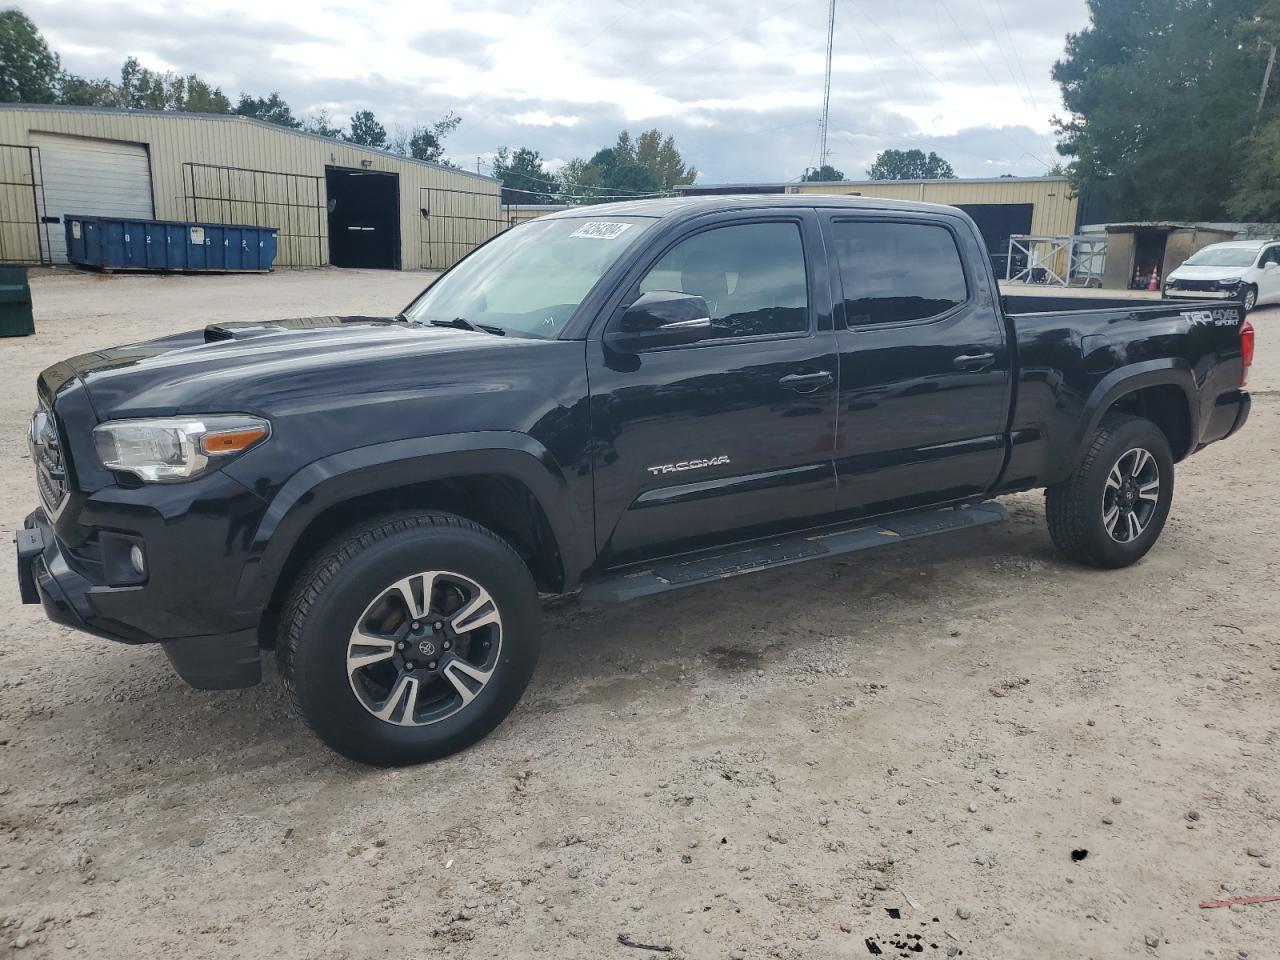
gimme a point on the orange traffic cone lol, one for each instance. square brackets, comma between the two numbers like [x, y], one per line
[1154, 283]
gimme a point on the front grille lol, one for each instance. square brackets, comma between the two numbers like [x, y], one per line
[46, 454]
[1202, 286]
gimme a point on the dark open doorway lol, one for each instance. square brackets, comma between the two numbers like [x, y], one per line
[997, 222]
[364, 218]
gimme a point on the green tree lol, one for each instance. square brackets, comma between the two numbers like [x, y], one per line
[1256, 196]
[29, 70]
[580, 180]
[200, 97]
[909, 165]
[1256, 193]
[648, 164]
[272, 109]
[427, 143]
[322, 125]
[658, 154]
[142, 88]
[82, 92]
[366, 130]
[524, 178]
[822, 174]
[1160, 98]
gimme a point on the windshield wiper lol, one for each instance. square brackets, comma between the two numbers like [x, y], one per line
[462, 323]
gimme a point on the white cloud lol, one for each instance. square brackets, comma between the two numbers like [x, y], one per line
[738, 83]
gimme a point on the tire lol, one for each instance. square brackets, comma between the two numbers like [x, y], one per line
[1079, 510]
[1249, 298]
[376, 689]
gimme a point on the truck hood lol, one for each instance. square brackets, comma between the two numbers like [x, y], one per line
[250, 366]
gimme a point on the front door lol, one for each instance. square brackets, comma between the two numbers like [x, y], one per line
[924, 368]
[731, 436]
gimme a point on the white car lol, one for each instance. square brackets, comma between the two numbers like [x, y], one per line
[1244, 270]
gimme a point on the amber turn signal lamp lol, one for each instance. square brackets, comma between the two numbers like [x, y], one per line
[231, 441]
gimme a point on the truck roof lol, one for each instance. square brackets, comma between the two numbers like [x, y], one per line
[665, 207]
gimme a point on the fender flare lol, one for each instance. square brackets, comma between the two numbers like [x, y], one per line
[1129, 379]
[388, 466]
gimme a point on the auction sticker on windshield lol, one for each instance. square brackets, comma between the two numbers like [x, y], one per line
[601, 230]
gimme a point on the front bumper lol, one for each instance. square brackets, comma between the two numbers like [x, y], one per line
[212, 662]
[1201, 294]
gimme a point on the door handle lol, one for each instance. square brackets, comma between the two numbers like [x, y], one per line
[806, 382]
[974, 361]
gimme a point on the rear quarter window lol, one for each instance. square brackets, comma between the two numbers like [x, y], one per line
[897, 272]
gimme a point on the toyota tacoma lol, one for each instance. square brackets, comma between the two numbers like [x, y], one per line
[615, 400]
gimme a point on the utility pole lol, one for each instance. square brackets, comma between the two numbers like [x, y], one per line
[1266, 79]
[826, 89]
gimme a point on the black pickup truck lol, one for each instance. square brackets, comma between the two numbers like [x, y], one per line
[621, 400]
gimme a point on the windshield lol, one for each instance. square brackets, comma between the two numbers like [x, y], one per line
[530, 279]
[1216, 256]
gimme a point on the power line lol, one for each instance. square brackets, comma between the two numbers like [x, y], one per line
[1004, 58]
[1016, 55]
[907, 53]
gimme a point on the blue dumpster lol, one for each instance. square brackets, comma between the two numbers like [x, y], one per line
[109, 244]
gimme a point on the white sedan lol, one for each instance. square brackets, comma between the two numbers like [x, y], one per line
[1244, 270]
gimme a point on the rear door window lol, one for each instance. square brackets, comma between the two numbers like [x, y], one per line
[897, 272]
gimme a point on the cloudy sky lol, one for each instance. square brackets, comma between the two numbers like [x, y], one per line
[738, 82]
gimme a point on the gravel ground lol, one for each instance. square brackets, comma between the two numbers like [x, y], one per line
[757, 768]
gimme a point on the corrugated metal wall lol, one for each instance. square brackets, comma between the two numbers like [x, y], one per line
[1054, 212]
[230, 158]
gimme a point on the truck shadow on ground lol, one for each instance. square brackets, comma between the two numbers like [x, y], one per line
[597, 654]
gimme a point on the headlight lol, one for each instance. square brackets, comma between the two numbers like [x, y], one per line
[1232, 282]
[176, 448]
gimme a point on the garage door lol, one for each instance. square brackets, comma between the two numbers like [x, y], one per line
[103, 178]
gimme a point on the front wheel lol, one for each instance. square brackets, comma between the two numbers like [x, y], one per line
[1111, 510]
[1250, 298]
[410, 638]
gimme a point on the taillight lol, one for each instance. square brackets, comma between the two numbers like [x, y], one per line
[1246, 351]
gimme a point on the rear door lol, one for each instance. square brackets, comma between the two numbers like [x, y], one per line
[924, 367]
[731, 436]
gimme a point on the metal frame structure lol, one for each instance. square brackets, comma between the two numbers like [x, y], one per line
[13, 200]
[454, 223]
[1058, 261]
[218, 194]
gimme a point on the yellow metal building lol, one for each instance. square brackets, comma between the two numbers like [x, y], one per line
[1052, 210]
[1001, 206]
[332, 202]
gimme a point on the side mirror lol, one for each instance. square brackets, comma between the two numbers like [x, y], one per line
[660, 318]
[1270, 265]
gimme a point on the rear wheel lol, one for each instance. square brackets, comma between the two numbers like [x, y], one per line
[1112, 509]
[410, 638]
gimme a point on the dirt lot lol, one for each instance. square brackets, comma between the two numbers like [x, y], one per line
[757, 768]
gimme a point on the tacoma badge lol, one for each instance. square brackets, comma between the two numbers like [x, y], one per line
[688, 465]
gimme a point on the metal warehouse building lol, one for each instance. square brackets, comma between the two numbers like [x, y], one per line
[1001, 207]
[332, 202]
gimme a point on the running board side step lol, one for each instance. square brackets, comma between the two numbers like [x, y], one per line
[780, 552]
